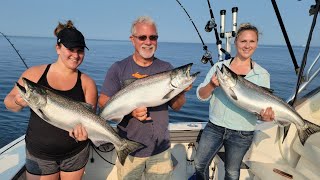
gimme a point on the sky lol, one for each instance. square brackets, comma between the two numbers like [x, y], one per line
[111, 19]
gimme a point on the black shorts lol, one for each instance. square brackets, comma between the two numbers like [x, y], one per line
[37, 166]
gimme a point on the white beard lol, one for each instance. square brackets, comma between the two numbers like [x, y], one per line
[147, 51]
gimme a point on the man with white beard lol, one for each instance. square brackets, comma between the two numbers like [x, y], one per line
[148, 126]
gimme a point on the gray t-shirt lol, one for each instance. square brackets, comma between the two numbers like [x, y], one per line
[153, 134]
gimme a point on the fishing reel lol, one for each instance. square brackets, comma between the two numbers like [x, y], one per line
[206, 57]
[312, 10]
[210, 25]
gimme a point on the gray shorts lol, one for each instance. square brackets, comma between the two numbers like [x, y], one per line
[37, 166]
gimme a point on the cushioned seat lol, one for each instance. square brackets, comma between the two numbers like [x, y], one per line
[265, 171]
[309, 161]
[310, 150]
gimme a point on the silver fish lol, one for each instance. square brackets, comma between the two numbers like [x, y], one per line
[66, 113]
[254, 98]
[149, 91]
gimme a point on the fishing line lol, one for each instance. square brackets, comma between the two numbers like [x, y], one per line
[207, 55]
[15, 49]
[211, 24]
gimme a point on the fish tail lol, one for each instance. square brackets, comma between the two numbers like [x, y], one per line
[305, 133]
[127, 148]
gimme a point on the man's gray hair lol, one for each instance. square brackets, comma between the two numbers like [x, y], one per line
[144, 20]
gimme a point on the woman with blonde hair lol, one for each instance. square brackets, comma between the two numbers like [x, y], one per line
[228, 125]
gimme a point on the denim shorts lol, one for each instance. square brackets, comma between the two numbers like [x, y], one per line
[37, 166]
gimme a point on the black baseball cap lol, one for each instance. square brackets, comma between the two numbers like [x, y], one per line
[71, 38]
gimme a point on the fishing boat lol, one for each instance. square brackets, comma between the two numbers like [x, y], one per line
[271, 156]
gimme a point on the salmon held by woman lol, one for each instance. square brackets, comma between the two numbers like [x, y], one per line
[253, 98]
[55, 109]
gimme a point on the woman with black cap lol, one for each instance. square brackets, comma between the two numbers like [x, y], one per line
[52, 153]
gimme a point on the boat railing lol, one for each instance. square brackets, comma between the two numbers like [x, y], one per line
[310, 68]
[308, 78]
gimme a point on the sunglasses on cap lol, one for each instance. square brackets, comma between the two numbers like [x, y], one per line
[144, 37]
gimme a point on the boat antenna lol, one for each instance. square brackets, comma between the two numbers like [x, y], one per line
[207, 54]
[313, 11]
[211, 24]
[285, 35]
[15, 49]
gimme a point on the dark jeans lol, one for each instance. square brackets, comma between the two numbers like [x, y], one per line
[236, 144]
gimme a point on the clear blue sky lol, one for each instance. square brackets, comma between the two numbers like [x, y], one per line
[111, 19]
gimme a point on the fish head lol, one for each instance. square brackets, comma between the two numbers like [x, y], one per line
[226, 77]
[33, 93]
[181, 77]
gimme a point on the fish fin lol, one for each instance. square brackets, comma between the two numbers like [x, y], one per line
[268, 89]
[111, 119]
[285, 132]
[282, 123]
[305, 133]
[40, 113]
[168, 95]
[117, 120]
[127, 82]
[233, 95]
[127, 148]
[98, 143]
[88, 106]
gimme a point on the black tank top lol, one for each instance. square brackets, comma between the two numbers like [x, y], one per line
[251, 66]
[46, 141]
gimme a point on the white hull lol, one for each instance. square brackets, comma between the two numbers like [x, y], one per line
[266, 153]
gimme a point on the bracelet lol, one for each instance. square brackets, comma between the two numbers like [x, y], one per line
[15, 101]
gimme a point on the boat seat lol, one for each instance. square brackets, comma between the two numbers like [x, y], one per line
[272, 171]
[309, 161]
[264, 158]
[183, 169]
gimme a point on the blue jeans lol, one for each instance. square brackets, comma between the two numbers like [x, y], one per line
[236, 144]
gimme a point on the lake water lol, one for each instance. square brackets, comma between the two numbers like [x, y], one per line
[103, 53]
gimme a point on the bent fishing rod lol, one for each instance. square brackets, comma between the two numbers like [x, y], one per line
[313, 11]
[285, 35]
[207, 55]
[15, 50]
[211, 24]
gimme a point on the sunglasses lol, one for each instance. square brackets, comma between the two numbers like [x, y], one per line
[144, 37]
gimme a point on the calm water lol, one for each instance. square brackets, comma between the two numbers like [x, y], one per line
[102, 54]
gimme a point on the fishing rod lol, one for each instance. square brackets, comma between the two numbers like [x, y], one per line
[316, 9]
[207, 54]
[211, 24]
[285, 35]
[15, 50]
